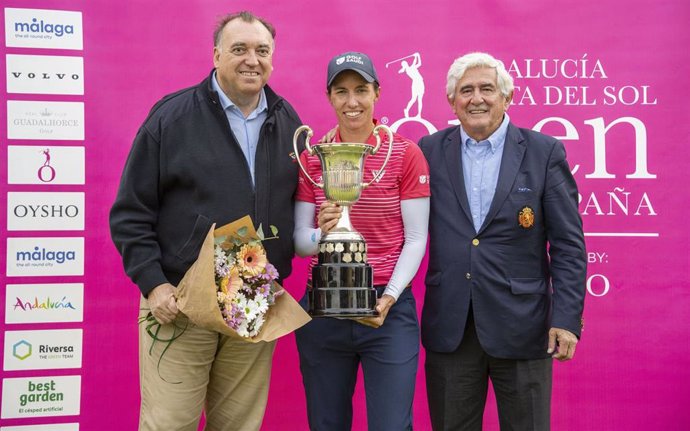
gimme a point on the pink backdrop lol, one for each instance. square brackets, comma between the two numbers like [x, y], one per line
[585, 65]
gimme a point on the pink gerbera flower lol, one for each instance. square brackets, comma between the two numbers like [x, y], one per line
[252, 259]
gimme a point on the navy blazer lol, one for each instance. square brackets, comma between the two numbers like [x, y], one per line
[525, 270]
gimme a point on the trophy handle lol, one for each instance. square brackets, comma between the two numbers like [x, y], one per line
[309, 148]
[376, 149]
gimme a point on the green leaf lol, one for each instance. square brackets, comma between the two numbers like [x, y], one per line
[242, 231]
[260, 232]
[153, 328]
[274, 230]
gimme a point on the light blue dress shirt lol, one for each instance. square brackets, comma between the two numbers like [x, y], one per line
[481, 163]
[245, 129]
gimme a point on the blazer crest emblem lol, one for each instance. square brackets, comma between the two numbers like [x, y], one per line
[526, 217]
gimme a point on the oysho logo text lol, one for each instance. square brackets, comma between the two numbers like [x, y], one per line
[43, 211]
[41, 26]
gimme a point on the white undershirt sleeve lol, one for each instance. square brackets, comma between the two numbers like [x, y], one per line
[306, 235]
[415, 215]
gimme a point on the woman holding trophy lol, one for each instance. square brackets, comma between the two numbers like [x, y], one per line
[391, 214]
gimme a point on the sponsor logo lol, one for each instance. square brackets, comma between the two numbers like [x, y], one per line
[45, 74]
[423, 179]
[45, 165]
[378, 174]
[409, 65]
[21, 350]
[45, 256]
[44, 28]
[45, 211]
[44, 303]
[46, 173]
[47, 349]
[350, 58]
[41, 396]
[45, 120]
[39, 28]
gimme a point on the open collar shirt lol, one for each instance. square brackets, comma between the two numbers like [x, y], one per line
[481, 163]
[245, 129]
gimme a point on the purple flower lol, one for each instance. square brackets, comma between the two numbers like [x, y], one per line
[270, 272]
[264, 290]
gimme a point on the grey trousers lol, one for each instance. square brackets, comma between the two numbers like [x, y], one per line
[457, 385]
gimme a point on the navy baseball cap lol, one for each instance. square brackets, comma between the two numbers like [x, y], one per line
[360, 63]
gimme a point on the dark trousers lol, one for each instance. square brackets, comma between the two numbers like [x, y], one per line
[457, 384]
[330, 352]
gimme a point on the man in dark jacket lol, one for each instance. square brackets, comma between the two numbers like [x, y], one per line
[505, 285]
[207, 154]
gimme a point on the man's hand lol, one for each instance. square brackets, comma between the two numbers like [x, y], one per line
[383, 304]
[329, 214]
[162, 303]
[562, 344]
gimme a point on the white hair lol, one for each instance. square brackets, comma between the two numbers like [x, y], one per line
[478, 59]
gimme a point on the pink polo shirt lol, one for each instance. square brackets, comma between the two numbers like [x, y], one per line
[377, 215]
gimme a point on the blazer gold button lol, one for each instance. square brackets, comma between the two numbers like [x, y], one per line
[468, 276]
[475, 242]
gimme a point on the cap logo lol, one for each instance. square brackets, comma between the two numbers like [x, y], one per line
[340, 61]
[353, 59]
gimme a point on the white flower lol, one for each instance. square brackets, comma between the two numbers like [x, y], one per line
[258, 323]
[222, 261]
[261, 304]
[243, 328]
[247, 305]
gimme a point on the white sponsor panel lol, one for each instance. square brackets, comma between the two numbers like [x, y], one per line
[63, 121]
[42, 350]
[41, 396]
[47, 165]
[44, 303]
[45, 74]
[49, 427]
[45, 211]
[28, 257]
[41, 28]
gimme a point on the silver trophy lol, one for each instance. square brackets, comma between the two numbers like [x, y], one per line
[342, 280]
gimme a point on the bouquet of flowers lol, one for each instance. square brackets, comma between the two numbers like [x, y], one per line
[231, 287]
[244, 279]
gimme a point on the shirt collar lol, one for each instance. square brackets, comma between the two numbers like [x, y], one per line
[225, 101]
[496, 139]
[371, 140]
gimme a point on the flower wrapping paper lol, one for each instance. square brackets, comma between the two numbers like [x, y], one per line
[196, 293]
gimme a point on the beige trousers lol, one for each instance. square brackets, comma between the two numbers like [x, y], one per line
[227, 378]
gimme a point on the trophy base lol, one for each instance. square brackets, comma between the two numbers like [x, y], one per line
[343, 283]
[343, 302]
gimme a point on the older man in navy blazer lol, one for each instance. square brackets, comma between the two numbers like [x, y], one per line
[505, 284]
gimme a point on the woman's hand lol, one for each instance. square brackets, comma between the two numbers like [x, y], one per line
[329, 214]
[383, 304]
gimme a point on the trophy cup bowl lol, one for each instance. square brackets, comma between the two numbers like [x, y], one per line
[342, 280]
